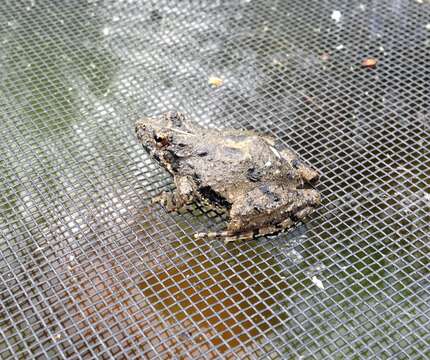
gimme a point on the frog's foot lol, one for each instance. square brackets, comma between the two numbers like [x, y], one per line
[302, 214]
[168, 200]
[230, 236]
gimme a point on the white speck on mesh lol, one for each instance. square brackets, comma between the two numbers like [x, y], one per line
[336, 15]
[317, 282]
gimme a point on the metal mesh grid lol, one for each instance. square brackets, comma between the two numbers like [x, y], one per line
[88, 269]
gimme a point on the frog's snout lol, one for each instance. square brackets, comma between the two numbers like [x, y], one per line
[140, 129]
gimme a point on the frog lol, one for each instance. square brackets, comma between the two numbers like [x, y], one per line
[263, 188]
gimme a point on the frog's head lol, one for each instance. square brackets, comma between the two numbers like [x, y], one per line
[157, 132]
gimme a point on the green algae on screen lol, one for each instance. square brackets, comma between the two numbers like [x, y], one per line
[42, 71]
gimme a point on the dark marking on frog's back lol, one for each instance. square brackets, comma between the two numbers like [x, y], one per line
[296, 163]
[172, 158]
[232, 153]
[269, 193]
[254, 174]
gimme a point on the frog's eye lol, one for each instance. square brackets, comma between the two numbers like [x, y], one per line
[162, 139]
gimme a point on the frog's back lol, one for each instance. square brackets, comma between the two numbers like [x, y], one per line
[229, 164]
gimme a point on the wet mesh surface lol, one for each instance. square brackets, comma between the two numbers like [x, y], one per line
[90, 270]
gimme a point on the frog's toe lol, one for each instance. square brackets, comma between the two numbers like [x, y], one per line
[267, 230]
[166, 200]
[302, 214]
[159, 199]
[227, 236]
[212, 235]
[241, 236]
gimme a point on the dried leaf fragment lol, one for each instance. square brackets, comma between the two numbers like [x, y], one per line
[215, 82]
[325, 56]
[369, 62]
[336, 15]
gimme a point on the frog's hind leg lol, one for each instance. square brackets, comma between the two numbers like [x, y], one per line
[211, 235]
[227, 236]
[230, 236]
[272, 230]
[238, 237]
[248, 235]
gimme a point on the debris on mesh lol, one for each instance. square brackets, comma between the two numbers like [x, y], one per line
[325, 57]
[369, 62]
[318, 282]
[336, 15]
[215, 82]
[294, 256]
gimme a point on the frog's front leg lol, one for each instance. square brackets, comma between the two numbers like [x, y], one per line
[183, 195]
[166, 199]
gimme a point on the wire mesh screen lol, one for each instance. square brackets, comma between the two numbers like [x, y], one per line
[90, 269]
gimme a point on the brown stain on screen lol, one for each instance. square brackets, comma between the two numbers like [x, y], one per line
[230, 308]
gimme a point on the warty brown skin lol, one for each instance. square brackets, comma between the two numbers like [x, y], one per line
[263, 189]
